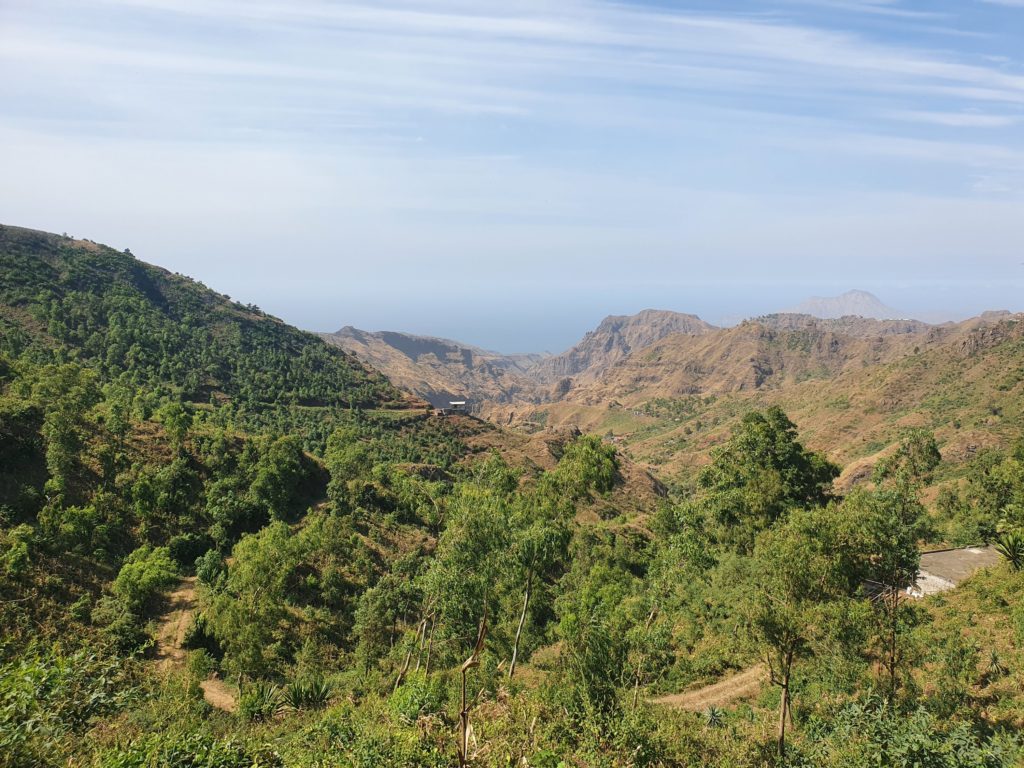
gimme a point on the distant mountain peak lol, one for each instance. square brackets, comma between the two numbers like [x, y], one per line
[855, 302]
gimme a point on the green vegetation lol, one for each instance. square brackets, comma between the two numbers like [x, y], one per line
[371, 590]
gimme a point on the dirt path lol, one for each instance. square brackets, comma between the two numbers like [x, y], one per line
[739, 686]
[170, 640]
[174, 623]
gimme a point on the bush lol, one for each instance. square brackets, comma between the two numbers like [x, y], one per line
[46, 698]
[186, 548]
[121, 627]
[146, 573]
[418, 695]
[211, 569]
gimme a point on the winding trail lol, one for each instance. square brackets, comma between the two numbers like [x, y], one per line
[740, 686]
[170, 640]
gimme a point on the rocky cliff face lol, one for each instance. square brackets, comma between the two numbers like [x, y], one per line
[614, 339]
[441, 370]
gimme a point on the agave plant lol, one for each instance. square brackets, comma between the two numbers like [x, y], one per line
[294, 695]
[318, 693]
[996, 667]
[714, 717]
[261, 701]
[1010, 545]
[307, 694]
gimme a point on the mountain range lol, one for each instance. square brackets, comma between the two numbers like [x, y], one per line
[664, 385]
[668, 386]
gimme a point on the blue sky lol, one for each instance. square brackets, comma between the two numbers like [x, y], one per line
[509, 173]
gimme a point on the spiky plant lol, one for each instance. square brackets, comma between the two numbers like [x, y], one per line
[996, 667]
[318, 693]
[294, 695]
[714, 717]
[1010, 544]
[261, 701]
[307, 694]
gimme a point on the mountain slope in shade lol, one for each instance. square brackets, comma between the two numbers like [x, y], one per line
[851, 303]
[615, 338]
[441, 370]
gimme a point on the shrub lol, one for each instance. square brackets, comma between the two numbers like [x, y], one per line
[47, 697]
[188, 751]
[418, 695]
[146, 573]
[1011, 546]
[186, 548]
[211, 569]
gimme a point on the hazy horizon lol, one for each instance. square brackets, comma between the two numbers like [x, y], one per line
[508, 176]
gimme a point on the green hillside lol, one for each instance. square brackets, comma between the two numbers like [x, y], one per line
[65, 300]
[224, 544]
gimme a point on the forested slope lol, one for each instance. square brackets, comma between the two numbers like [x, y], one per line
[379, 586]
[74, 300]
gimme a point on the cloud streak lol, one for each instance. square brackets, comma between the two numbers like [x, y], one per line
[548, 136]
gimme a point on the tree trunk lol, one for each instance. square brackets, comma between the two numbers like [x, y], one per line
[642, 659]
[522, 621]
[784, 706]
[421, 641]
[472, 661]
[430, 645]
[403, 670]
[892, 605]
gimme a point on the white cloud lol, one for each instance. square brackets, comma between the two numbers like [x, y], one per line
[959, 119]
[285, 148]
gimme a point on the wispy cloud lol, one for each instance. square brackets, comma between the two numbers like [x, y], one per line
[410, 129]
[959, 119]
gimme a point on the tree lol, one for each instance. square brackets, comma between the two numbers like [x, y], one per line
[280, 474]
[146, 574]
[177, 422]
[887, 524]
[760, 474]
[801, 573]
[538, 551]
[916, 457]
[67, 393]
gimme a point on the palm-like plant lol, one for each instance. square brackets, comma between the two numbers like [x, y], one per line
[261, 701]
[308, 694]
[714, 717]
[996, 667]
[1010, 544]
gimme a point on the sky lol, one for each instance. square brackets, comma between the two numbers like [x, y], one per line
[508, 173]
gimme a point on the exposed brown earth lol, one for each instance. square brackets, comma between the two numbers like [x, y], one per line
[170, 651]
[743, 685]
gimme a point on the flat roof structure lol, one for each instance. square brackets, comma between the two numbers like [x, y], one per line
[943, 569]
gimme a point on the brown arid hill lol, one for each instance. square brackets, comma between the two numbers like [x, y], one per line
[765, 353]
[852, 395]
[614, 339]
[441, 370]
